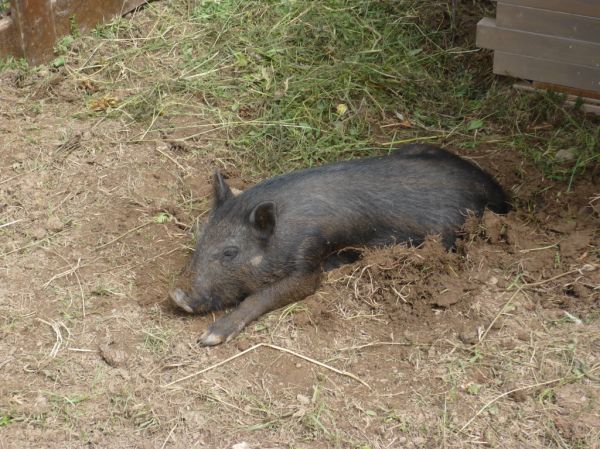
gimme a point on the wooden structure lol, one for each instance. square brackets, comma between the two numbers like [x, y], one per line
[552, 42]
[31, 27]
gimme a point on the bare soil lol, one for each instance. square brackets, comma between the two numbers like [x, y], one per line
[495, 344]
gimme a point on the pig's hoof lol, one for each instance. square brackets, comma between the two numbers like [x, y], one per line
[219, 332]
[180, 298]
[210, 339]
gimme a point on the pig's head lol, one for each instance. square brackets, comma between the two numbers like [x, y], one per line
[230, 258]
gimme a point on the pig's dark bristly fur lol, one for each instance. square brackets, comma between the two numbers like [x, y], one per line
[266, 247]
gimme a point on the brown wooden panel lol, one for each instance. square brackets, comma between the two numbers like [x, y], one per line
[583, 7]
[544, 70]
[588, 105]
[9, 41]
[543, 21]
[35, 24]
[573, 93]
[87, 14]
[537, 45]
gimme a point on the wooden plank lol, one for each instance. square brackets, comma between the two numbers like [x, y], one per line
[9, 41]
[583, 7]
[593, 97]
[537, 45]
[543, 21]
[589, 105]
[86, 14]
[34, 23]
[548, 71]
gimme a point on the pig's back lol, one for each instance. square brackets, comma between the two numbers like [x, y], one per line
[415, 191]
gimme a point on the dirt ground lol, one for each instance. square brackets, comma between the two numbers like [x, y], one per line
[494, 345]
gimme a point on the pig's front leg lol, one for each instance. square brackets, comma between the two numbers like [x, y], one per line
[279, 294]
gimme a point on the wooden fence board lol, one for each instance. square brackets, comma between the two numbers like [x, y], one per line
[9, 42]
[34, 25]
[539, 69]
[87, 14]
[584, 7]
[537, 45]
[543, 21]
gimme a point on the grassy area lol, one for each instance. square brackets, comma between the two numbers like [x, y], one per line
[304, 82]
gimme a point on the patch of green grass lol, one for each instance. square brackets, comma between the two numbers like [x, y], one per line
[286, 66]
[307, 82]
[11, 63]
[113, 29]
[157, 339]
[64, 44]
[5, 420]
[297, 83]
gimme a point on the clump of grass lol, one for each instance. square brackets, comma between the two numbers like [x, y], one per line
[313, 81]
[293, 84]
[11, 63]
[157, 339]
[308, 82]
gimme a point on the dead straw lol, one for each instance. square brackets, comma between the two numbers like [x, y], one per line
[277, 348]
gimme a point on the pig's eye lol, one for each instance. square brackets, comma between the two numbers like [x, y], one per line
[230, 252]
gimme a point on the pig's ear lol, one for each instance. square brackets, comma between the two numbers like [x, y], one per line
[262, 219]
[222, 192]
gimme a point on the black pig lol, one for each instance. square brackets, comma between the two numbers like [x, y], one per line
[267, 247]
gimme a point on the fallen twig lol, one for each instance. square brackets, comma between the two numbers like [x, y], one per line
[168, 436]
[587, 374]
[497, 398]
[56, 325]
[382, 343]
[500, 312]
[278, 348]
[6, 225]
[181, 167]
[585, 268]
[121, 236]
[63, 274]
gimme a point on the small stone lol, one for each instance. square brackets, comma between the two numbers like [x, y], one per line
[114, 356]
[242, 344]
[523, 335]
[37, 233]
[469, 336]
[54, 224]
[419, 441]
[242, 445]
[518, 396]
[195, 419]
[497, 325]
[43, 73]
[564, 155]
[492, 281]
[162, 146]
[302, 399]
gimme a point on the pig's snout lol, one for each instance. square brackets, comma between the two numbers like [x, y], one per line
[198, 301]
[182, 299]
